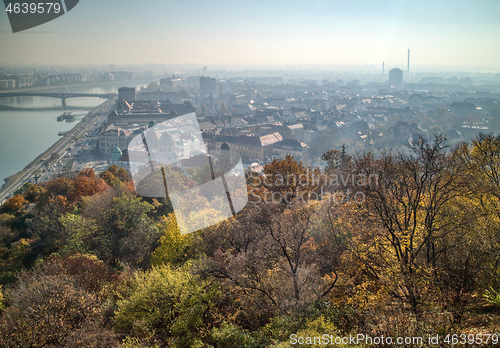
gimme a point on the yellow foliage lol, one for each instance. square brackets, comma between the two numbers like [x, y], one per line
[173, 245]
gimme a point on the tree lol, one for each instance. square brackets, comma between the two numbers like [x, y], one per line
[86, 184]
[1, 300]
[58, 187]
[286, 181]
[115, 175]
[414, 219]
[223, 109]
[22, 189]
[124, 232]
[336, 159]
[153, 185]
[265, 259]
[166, 306]
[203, 110]
[344, 156]
[79, 232]
[57, 305]
[175, 248]
[45, 230]
[34, 192]
[15, 204]
[481, 160]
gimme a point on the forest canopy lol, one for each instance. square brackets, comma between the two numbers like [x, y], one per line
[415, 250]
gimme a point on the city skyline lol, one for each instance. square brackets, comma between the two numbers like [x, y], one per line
[259, 33]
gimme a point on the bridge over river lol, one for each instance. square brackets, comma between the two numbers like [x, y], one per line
[62, 95]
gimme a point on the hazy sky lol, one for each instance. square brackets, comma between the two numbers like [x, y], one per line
[261, 32]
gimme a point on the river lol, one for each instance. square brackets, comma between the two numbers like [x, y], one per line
[24, 134]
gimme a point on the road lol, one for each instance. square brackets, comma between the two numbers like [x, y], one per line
[60, 147]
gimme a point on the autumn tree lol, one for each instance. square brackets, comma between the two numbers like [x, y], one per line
[58, 187]
[57, 305]
[86, 184]
[124, 232]
[23, 188]
[175, 248]
[223, 109]
[414, 217]
[285, 181]
[152, 187]
[481, 159]
[1, 300]
[336, 159]
[15, 204]
[115, 175]
[13, 250]
[44, 229]
[34, 192]
[266, 259]
[166, 306]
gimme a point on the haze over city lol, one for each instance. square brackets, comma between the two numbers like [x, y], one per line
[262, 33]
[249, 174]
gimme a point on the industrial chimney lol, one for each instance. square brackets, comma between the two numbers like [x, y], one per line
[408, 62]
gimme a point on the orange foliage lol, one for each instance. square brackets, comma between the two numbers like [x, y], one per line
[285, 181]
[88, 172]
[86, 184]
[130, 188]
[15, 204]
[62, 201]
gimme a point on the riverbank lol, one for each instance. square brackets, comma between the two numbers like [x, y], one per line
[26, 133]
[14, 181]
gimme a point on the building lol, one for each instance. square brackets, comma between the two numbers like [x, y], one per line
[419, 100]
[8, 84]
[171, 82]
[294, 130]
[462, 108]
[251, 148]
[290, 147]
[237, 99]
[116, 154]
[174, 97]
[122, 75]
[208, 86]
[192, 81]
[124, 160]
[402, 128]
[113, 137]
[225, 139]
[144, 111]
[396, 78]
[127, 93]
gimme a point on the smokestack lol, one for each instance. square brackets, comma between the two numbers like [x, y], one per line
[408, 62]
[383, 68]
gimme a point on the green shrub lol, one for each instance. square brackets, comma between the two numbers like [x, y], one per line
[165, 305]
[492, 296]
